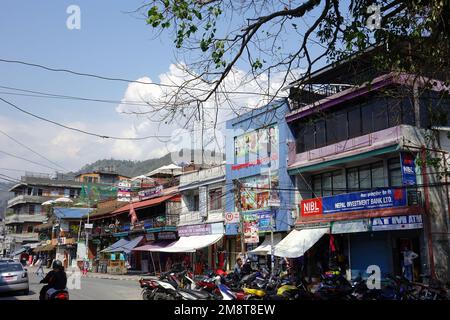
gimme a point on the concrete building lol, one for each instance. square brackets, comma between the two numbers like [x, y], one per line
[364, 187]
[257, 183]
[25, 210]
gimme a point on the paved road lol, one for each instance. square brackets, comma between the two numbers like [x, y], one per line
[90, 289]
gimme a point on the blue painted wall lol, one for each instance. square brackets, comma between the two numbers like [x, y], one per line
[251, 121]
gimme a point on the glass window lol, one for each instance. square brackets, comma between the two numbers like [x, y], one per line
[394, 110]
[408, 112]
[336, 127]
[354, 122]
[395, 172]
[366, 119]
[352, 180]
[338, 182]
[320, 134]
[327, 186]
[317, 186]
[215, 199]
[364, 178]
[380, 118]
[30, 229]
[377, 171]
[196, 203]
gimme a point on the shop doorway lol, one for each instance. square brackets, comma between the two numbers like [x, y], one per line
[412, 243]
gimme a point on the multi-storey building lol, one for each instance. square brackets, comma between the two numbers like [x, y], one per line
[202, 213]
[101, 176]
[25, 210]
[366, 189]
[258, 186]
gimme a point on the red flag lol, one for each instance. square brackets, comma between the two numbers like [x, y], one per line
[132, 214]
[332, 246]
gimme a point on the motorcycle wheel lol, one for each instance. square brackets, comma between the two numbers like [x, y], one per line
[147, 295]
[163, 296]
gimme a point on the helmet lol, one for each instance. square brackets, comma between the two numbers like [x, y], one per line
[57, 264]
[220, 272]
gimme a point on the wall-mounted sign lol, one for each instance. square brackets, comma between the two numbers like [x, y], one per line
[88, 225]
[194, 230]
[408, 169]
[356, 201]
[150, 193]
[231, 217]
[166, 236]
[350, 226]
[397, 223]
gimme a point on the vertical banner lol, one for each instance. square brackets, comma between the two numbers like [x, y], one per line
[408, 169]
[250, 226]
[203, 202]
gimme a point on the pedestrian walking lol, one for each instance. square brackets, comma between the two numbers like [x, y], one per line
[85, 267]
[40, 265]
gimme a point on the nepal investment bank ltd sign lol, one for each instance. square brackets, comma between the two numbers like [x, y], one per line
[356, 201]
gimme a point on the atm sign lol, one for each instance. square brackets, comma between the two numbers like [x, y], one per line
[311, 207]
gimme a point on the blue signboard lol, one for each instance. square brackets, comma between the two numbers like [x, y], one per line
[264, 221]
[366, 200]
[408, 169]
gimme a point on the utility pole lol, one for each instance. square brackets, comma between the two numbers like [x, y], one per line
[241, 218]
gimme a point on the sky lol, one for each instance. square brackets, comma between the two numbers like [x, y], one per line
[111, 42]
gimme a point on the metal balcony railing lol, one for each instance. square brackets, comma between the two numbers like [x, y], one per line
[202, 175]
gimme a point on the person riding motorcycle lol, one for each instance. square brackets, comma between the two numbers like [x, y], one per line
[55, 279]
[247, 267]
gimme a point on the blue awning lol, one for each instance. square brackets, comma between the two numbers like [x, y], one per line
[71, 213]
[115, 245]
[124, 245]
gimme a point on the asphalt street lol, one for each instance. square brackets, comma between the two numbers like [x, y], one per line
[89, 289]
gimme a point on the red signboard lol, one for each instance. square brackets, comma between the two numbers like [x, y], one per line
[311, 207]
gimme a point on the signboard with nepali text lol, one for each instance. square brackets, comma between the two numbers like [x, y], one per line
[355, 201]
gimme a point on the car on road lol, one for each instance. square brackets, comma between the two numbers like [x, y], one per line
[13, 278]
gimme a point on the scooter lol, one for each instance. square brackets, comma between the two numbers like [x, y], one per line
[54, 294]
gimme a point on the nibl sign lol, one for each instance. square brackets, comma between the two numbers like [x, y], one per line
[356, 201]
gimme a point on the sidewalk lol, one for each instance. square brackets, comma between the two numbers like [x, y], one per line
[97, 275]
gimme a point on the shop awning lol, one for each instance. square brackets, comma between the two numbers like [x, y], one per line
[127, 247]
[190, 244]
[19, 251]
[115, 245]
[264, 248]
[157, 245]
[48, 247]
[298, 242]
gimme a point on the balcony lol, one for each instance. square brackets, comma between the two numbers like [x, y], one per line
[21, 218]
[202, 175]
[27, 199]
[22, 237]
[194, 217]
[367, 143]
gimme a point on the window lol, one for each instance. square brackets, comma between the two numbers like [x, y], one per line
[72, 193]
[377, 172]
[354, 122]
[336, 127]
[215, 199]
[366, 177]
[366, 119]
[30, 229]
[408, 113]
[31, 209]
[379, 116]
[320, 134]
[395, 172]
[196, 203]
[394, 111]
[328, 183]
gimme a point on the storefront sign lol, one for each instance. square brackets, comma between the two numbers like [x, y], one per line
[408, 169]
[311, 207]
[194, 230]
[150, 193]
[356, 201]
[350, 226]
[231, 217]
[166, 236]
[397, 223]
[264, 221]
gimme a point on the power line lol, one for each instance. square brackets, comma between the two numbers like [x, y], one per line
[31, 161]
[128, 80]
[35, 152]
[76, 129]
[48, 95]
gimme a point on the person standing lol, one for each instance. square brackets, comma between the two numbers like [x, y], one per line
[408, 257]
[39, 264]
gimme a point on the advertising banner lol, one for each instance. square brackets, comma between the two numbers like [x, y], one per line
[250, 222]
[150, 193]
[232, 217]
[194, 230]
